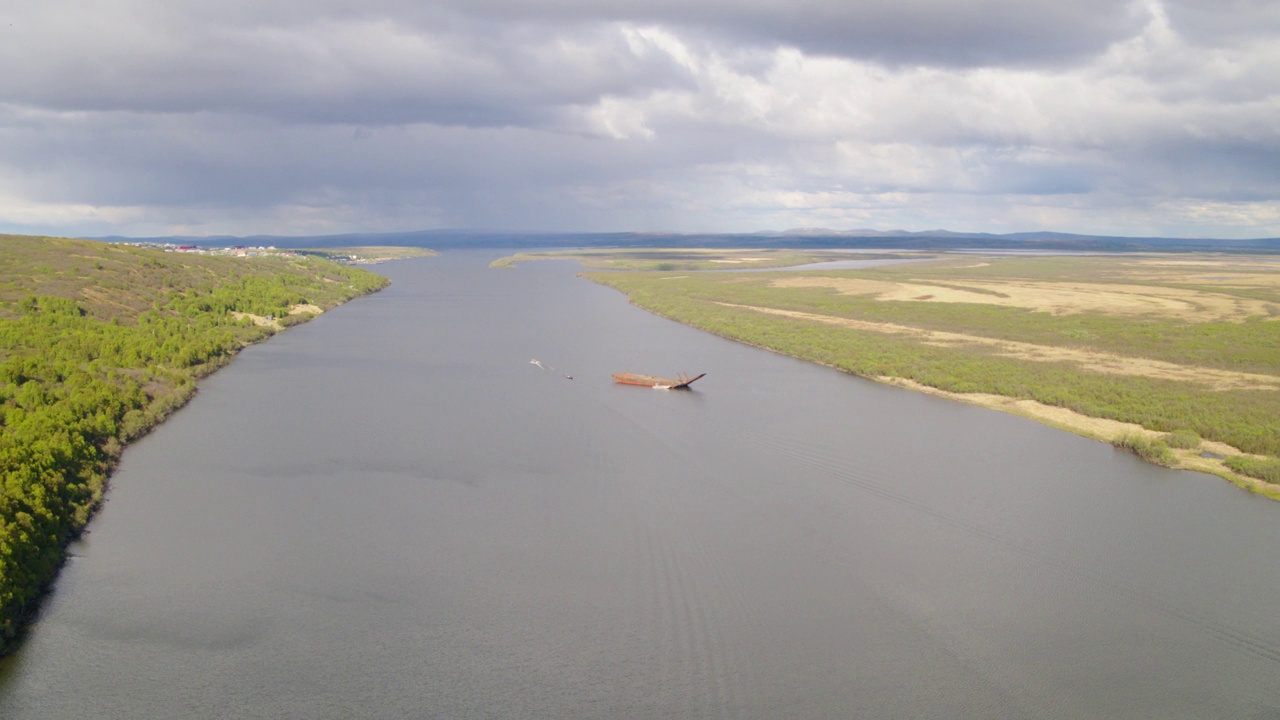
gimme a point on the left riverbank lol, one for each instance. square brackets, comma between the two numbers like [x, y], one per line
[99, 342]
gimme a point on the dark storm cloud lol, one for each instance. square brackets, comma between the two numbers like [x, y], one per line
[361, 67]
[237, 166]
[485, 63]
[976, 32]
[1217, 171]
[1215, 21]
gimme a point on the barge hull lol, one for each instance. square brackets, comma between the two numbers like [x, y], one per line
[651, 381]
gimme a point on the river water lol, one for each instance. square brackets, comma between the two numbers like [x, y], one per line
[390, 512]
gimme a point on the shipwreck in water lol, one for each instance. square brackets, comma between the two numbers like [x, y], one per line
[680, 382]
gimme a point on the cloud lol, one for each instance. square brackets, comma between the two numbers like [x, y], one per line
[979, 32]
[364, 69]
[1214, 22]
[331, 116]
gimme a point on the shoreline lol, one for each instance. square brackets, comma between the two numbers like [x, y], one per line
[1100, 429]
[163, 407]
[1060, 418]
[1173, 359]
[106, 343]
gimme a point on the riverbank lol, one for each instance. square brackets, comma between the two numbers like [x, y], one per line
[99, 343]
[1176, 357]
[1207, 456]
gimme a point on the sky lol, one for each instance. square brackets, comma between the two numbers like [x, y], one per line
[303, 117]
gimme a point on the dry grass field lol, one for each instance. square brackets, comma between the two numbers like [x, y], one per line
[668, 259]
[1136, 287]
[1062, 298]
[1101, 362]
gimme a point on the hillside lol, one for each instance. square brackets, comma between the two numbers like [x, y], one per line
[98, 343]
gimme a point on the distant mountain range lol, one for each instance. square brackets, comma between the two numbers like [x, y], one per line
[814, 238]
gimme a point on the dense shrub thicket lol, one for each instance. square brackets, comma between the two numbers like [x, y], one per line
[1267, 470]
[1154, 450]
[1182, 439]
[76, 385]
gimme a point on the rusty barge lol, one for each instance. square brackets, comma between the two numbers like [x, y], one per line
[680, 382]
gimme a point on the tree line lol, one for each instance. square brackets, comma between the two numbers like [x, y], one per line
[75, 386]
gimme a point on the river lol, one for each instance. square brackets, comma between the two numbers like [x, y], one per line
[390, 512]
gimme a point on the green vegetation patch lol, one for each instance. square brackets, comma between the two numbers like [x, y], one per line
[1151, 449]
[1267, 470]
[1182, 439]
[98, 343]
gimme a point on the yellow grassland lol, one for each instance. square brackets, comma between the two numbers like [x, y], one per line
[1061, 298]
[1102, 362]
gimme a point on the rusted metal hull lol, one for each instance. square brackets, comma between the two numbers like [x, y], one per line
[651, 381]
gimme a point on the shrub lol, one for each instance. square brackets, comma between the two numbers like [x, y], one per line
[1265, 470]
[1151, 449]
[1182, 439]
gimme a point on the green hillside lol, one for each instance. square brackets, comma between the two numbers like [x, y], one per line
[98, 343]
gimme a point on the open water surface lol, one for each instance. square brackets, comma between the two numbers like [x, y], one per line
[390, 513]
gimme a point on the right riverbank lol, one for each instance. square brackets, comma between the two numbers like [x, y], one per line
[1174, 356]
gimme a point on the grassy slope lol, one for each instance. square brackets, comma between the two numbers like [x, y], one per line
[98, 342]
[1247, 419]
